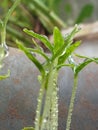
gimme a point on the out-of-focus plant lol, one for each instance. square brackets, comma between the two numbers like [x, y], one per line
[84, 14]
[3, 46]
[34, 14]
[52, 4]
[41, 16]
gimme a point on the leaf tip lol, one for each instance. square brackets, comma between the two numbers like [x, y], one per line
[25, 29]
[56, 28]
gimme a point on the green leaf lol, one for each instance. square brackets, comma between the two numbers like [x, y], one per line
[39, 52]
[80, 56]
[67, 65]
[68, 52]
[31, 57]
[71, 35]
[85, 13]
[42, 38]
[28, 128]
[4, 4]
[58, 39]
[85, 63]
[37, 45]
[5, 76]
[86, 57]
[95, 60]
[68, 41]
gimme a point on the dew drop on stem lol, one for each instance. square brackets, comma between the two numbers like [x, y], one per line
[45, 120]
[6, 49]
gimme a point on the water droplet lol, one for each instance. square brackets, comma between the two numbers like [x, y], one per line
[1, 53]
[6, 49]
[33, 54]
[47, 71]
[53, 115]
[41, 90]
[44, 120]
[39, 100]
[54, 84]
[36, 119]
[37, 112]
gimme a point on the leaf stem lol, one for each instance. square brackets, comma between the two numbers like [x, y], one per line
[72, 101]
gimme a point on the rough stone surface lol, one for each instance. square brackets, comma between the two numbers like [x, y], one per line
[18, 94]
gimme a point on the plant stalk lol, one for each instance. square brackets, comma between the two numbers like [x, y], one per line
[47, 109]
[51, 102]
[3, 31]
[72, 101]
[39, 105]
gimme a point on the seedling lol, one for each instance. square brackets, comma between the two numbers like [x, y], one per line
[61, 55]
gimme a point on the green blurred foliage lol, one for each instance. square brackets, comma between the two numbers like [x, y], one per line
[39, 15]
[68, 8]
[32, 14]
[52, 4]
[85, 13]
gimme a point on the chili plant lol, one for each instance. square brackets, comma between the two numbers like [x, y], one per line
[61, 54]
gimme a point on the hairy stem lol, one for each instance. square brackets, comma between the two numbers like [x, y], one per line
[47, 108]
[50, 113]
[72, 101]
[39, 105]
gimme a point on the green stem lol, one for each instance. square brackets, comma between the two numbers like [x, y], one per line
[3, 33]
[50, 109]
[54, 109]
[39, 106]
[72, 101]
